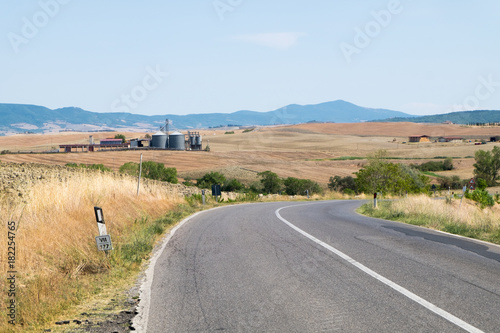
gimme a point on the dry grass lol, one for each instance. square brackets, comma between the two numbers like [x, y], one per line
[448, 215]
[302, 151]
[56, 256]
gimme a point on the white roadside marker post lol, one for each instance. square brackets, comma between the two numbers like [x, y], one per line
[103, 241]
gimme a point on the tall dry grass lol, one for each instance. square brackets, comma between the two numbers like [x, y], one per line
[466, 219]
[57, 261]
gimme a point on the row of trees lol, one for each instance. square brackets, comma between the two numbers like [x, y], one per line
[378, 175]
[269, 183]
[386, 177]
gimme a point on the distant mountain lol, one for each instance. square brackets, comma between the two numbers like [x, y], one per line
[15, 118]
[459, 117]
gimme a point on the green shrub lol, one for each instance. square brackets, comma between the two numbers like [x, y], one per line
[130, 168]
[157, 171]
[233, 185]
[295, 186]
[480, 196]
[151, 170]
[211, 178]
[100, 167]
[343, 184]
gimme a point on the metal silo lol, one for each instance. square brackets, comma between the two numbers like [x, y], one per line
[159, 140]
[198, 141]
[177, 141]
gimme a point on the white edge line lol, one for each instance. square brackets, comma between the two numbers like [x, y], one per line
[444, 314]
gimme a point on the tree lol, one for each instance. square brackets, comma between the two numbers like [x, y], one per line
[341, 184]
[454, 182]
[121, 136]
[211, 178]
[487, 165]
[270, 181]
[448, 164]
[381, 176]
[157, 171]
[233, 185]
[130, 168]
[295, 186]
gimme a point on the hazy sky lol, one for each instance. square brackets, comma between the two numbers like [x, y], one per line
[159, 57]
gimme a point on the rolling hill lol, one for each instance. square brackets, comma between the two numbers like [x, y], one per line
[459, 117]
[15, 118]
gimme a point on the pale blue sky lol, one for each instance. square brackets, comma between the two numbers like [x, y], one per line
[420, 57]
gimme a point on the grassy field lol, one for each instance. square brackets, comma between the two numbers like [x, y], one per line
[56, 257]
[465, 219]
[312, 151]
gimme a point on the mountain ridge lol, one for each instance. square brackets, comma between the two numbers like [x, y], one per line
[15, 118]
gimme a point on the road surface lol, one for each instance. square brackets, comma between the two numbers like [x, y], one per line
[318, 267]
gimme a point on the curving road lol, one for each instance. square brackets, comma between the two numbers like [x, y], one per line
[318, 267]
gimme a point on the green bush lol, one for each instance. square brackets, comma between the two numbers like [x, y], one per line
[271, 182]
[445, 165]
[453, 182]
[157, 171]
[482, 197]
[211, 178]
[233, 185]
[130, 168]
[151, 170]
[295, 186]
[100, 167]
[343, 184]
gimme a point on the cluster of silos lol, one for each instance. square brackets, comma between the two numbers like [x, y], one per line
[194, 141]
[174, 141]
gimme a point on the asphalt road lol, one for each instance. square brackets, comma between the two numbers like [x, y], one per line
[318, 267]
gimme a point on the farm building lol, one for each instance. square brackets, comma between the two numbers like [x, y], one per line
[110, 142]
[420, 138]
[105, 144]
[450, 139]
[140, 143]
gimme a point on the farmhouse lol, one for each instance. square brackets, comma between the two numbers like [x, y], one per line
[419, 138]
[450, 139]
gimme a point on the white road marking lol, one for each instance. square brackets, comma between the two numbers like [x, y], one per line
[446, 315]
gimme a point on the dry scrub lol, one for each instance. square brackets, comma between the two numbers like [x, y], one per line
[56, 256]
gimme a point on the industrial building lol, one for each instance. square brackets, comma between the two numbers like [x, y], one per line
[176, 140]
[160, 140]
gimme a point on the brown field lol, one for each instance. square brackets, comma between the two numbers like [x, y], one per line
[302, 151]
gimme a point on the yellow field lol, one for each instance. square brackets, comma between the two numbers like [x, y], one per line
[302, 151]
